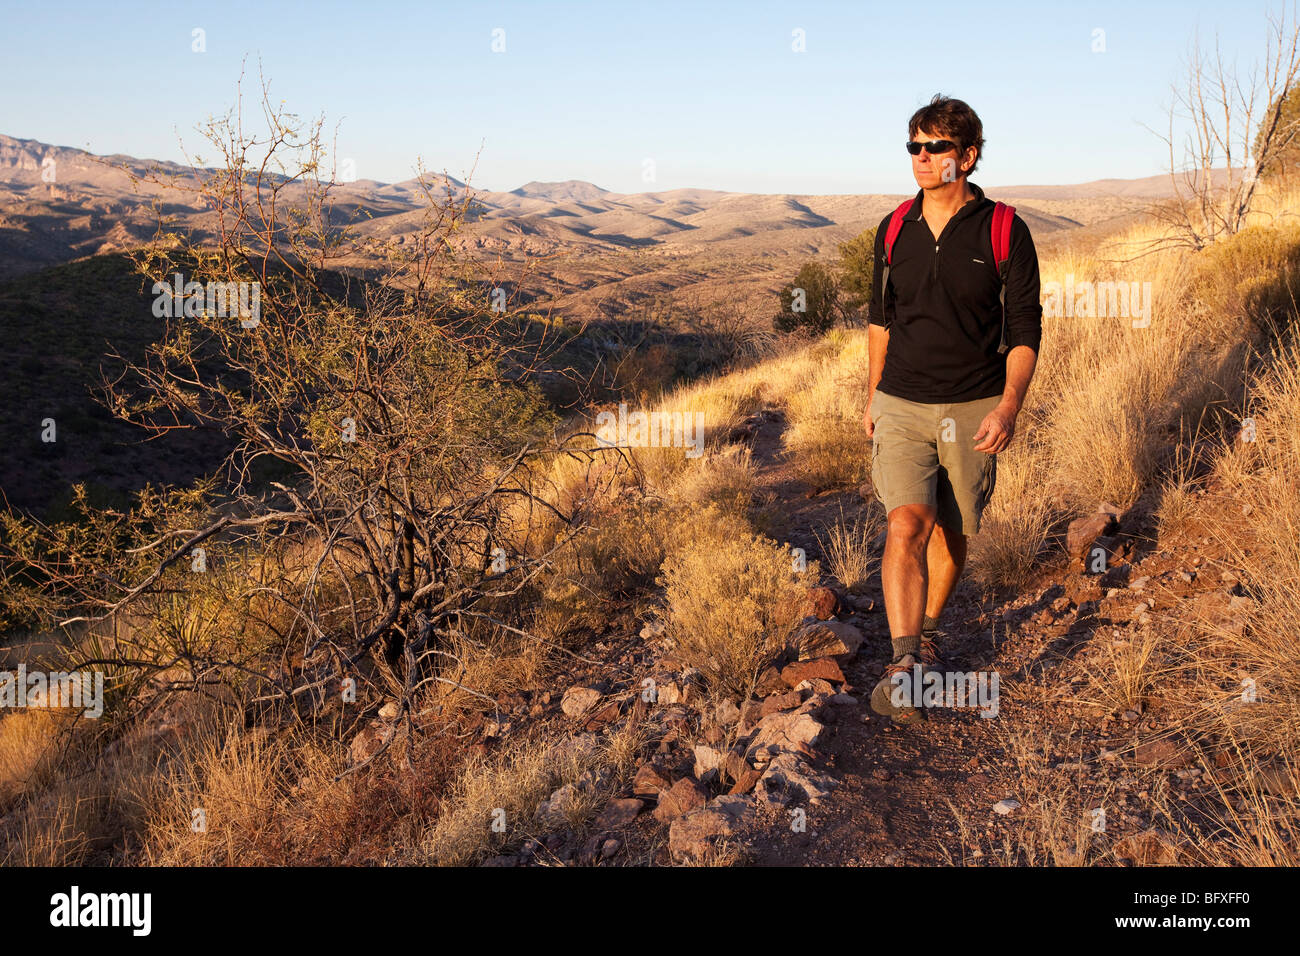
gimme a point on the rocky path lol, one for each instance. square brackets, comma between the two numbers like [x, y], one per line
[897, 787]
[1059, 748]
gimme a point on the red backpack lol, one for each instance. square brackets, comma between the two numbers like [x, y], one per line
[1002, 219]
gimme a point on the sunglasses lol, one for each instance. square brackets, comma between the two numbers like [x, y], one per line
[933, 147]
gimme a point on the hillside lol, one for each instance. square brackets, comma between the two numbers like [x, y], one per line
[592, 253]
[679, 687]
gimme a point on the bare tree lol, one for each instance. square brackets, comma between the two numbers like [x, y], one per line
[1231, 126]
[388, 433]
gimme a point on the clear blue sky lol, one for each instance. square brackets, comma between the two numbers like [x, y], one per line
[711, 92]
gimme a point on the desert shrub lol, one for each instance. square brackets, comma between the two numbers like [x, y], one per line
[810, 302]
[733, 598]
[857, 270]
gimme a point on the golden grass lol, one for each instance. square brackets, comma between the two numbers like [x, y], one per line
[848, 548]
[493, 805]
[733, 600]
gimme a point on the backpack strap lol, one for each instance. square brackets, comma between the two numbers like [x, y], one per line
[891, 234]
[1003, 216]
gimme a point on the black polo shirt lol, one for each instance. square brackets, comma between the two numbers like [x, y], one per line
[942, 307]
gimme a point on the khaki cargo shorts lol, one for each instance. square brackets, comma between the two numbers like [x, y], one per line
[925, 454]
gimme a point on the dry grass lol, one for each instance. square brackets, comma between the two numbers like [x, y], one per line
[848, 548]
[725, 478]
[493, 806]
[1115, 413]
[733, 600]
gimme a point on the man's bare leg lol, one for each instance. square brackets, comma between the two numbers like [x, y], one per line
[945, 558]
[904, 576]
[904, 571]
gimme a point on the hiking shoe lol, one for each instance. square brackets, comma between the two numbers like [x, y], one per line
[882, 696]
[931, 659]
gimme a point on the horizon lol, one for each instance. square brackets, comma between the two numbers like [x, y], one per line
[691, 107]
[614, 192]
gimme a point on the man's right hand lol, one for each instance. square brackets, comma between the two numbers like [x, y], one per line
[867, 423]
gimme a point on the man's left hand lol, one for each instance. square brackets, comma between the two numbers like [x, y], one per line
[996, 430]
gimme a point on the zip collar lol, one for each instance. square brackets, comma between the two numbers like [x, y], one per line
[963, 210]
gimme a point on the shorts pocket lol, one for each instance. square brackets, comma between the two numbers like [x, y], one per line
[989, 481]
[875, 470]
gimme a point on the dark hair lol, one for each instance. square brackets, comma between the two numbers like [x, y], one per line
[954, 120]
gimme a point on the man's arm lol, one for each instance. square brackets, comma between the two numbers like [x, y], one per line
[878, 329]
[1024, 335]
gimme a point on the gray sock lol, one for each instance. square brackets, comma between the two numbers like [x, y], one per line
[906, 645]
[929, 624]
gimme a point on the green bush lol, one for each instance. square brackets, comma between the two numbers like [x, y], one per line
[810, 302]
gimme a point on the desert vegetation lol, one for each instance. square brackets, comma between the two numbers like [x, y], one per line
[472, 584]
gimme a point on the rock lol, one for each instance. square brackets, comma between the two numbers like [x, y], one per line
[554, 811]
[746, 777]
[1137, 584]
[708, 761]
[602, 715]
[1168, 752]
[390, 710]
[800, 671]
[779, 702]
[726, 713]
[578, 700]
[368, 742]
[786, 731]
[769, 682]
[650, 780]
[1277, 780]
[818, 688]
[844, 700]
[1151, 847]
[1083, 532]
[787, 778]
[1003, 807]
[821, 603]
[859, 602]
[682, 797]
[692, 835]
[619, 814]
[826, 639]
[578, 747]
[610, 847]
[750, 714]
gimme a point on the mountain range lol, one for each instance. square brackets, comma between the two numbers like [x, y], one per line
[590, 252]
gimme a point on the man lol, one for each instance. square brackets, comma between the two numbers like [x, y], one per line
[942, 400]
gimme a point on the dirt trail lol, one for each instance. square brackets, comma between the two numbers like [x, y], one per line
[895, 785]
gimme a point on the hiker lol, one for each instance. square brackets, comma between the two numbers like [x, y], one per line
[955, 323]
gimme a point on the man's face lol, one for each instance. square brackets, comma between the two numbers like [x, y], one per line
[933, 170]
